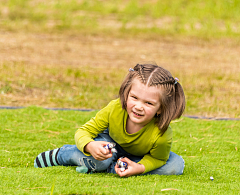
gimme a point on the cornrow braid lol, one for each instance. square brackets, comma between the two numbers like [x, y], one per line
[140, 70]
[160, 76]
[169, 81]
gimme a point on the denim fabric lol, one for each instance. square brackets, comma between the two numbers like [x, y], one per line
[69, 155]
[173, 166]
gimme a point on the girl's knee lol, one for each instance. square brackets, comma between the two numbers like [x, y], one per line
[102, 166]
[174, 166]
[70, 155]
[178, 167]
[87, 162]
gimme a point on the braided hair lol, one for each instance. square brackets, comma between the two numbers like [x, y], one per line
[172, 99]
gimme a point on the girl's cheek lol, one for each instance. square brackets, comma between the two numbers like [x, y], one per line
[130, 104]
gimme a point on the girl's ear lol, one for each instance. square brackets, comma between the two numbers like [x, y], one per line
[159, 111]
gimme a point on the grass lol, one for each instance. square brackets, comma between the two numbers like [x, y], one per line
[210, 79]
[214, 94]
[209, 74]
[67, 87]
[210, 148]
[206, 19]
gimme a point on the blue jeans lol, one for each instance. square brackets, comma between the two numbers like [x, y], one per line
[70, 155]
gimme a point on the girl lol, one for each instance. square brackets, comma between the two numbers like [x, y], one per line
[138, 122]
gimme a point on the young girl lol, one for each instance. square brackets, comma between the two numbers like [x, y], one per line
[138, 122]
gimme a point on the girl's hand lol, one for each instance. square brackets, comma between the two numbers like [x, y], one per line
[97, 150]
[133, 168]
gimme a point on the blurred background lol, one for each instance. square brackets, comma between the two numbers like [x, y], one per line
[75, 53]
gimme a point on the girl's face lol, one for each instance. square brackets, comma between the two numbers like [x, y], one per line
[143, 103]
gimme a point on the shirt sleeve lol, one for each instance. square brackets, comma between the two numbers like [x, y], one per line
[159, 153]
[92, 128]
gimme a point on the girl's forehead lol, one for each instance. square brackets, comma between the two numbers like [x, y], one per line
[141, 89]
[137, 83]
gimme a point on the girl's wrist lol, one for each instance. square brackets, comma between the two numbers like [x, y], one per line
[142, 168]
[86, 148]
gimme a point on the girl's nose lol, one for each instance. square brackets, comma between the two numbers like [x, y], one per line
[138, 106]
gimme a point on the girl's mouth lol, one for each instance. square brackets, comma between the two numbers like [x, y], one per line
[137, 114]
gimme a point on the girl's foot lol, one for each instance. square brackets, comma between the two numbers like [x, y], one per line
[47, 159]
[82, 169]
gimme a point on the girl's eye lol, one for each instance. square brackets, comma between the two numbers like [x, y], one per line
[149, 103]
[134, 97]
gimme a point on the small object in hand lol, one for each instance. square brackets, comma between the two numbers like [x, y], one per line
[212, 178]
[122, 165]
[111, 148]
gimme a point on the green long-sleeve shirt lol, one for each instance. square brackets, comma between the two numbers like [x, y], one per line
[147, 142]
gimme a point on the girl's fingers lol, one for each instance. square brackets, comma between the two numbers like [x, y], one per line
[121, 173]
[104, 157]
[98, 151]
[103, 154]
[133, 168]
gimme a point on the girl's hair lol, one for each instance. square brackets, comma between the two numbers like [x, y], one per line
[172, 99]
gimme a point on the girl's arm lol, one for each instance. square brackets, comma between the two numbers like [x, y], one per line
[133, 168]
[159, 153]
[157, 157]
[86, 133]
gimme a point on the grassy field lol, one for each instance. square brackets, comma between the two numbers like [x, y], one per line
[70, 53]
[72, 79]
[75, 54]
[193, 18]
[209, 148]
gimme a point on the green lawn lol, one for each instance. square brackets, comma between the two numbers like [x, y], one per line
[211, 84]
[209, 148]
[201, 18]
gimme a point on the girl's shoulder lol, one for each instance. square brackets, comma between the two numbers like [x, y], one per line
[114, 102]
[168, 132]
[163, 139]
[114, 107]
[158, 134]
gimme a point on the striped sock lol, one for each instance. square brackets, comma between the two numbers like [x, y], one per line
[47, 159]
